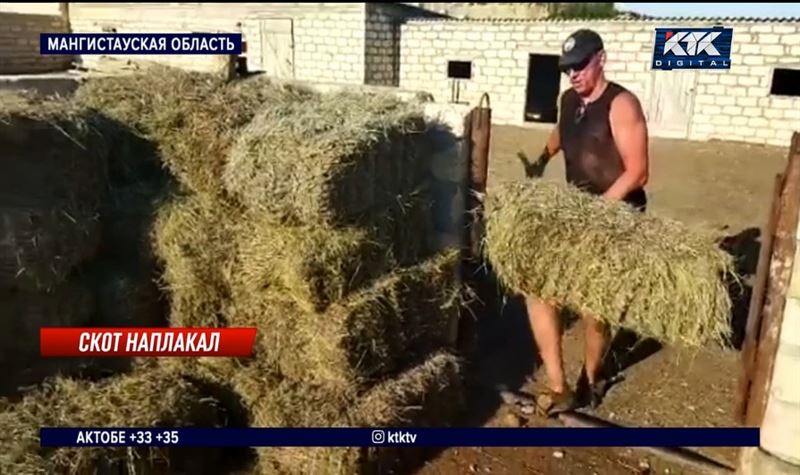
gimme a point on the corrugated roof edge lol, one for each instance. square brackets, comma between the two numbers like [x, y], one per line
[609, 20]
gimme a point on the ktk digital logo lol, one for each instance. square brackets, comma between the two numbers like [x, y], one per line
[693, 48]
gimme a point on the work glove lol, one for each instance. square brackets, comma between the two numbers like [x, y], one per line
[535, 169]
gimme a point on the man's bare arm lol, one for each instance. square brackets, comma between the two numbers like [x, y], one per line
[553, 145]
[629, 129]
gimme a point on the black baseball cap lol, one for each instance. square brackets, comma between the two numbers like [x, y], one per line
[578, 49]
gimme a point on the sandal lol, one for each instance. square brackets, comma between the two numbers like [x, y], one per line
[562, 402]
[597, 392]
[592, 394]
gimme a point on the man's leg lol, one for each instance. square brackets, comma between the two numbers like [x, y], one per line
[596, 335]
[547, 333]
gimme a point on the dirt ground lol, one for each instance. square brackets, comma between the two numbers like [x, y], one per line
[718, 184]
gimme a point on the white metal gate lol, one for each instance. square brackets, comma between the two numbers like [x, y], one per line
[671, 103]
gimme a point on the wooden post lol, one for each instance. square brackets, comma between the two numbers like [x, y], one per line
[778, 282]
[753, 325]
[477, 131]
[481, 131]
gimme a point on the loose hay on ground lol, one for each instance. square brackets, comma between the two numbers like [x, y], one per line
[192, 117]
[145, 398]
[195, 239]
[650, 274]
[327, 161]
[376, 331]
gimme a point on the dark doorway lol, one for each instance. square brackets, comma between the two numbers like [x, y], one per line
[544, 82]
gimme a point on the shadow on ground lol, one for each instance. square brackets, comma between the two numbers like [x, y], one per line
[745, 247]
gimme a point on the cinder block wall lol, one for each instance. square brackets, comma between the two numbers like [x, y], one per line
[155, 18]
[382, 54]
[42, 8]
[733, 104]
[330, 46]
[19, 43]
[328, 39]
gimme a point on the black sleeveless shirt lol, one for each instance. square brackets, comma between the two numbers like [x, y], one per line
[593, 162]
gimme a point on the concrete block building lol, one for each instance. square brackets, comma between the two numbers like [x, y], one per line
[757, 100]
[20, 26]
[396, 45]
[355, 43]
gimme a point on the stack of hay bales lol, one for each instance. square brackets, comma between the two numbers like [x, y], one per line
[655, 276]
[52, 185]
[318, 239]
[302, 215]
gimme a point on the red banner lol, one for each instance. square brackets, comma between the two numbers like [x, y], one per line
[232, 342]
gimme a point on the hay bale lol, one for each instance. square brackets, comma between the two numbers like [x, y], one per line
[71, 304]
[125, 296]
[406, 226]
[313, 265]
[132, 157]
[428, 394]
[195, 239]
[144, 398]
[325, 161]
[128, 218]
[193, 117]
[374, 332]
[53, 150]
[274, 401]
[653, 275]
[317, 265]
[22, 315]
[52, 177]
[40, 246]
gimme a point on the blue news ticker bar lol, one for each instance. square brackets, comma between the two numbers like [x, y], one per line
[422, 437]
[140, 43]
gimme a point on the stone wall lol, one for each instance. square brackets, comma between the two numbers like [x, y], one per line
[19, 43]
[733, 104]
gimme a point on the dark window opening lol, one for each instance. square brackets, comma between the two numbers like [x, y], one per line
[459, 69]
[544, 83]
[785, 82]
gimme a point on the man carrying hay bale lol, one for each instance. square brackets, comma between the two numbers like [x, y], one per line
[603, 133]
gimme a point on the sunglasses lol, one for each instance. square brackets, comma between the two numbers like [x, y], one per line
[579, 66]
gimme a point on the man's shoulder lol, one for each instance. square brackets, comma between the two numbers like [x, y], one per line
[625, 107]
[625, 99]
